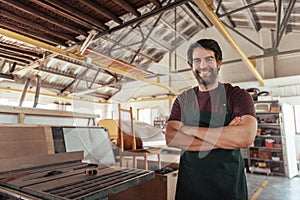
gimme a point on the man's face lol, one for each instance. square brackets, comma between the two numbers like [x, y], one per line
[205, 67]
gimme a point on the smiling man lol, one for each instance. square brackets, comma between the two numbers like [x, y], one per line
[210, 123]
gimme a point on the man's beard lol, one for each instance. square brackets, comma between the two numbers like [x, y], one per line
[208, 80]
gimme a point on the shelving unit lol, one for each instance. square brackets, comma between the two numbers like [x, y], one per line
[270, 151]
[266, 156]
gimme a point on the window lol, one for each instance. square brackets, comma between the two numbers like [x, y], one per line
[144, 115]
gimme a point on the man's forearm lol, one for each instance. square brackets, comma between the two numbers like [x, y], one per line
[189, 143]
[228, 137]
[175, 138]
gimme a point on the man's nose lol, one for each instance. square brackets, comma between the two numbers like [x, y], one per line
[202, 66]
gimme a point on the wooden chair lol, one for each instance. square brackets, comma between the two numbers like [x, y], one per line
[112, 127]
[134, 152]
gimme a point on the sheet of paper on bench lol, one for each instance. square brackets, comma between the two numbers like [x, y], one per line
[94, 142]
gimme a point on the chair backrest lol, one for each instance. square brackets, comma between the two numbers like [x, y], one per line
[131, 127]
[112, 127]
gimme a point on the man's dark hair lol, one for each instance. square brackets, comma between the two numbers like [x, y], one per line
[206, 44]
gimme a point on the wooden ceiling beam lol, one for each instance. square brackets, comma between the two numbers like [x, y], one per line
[7, 54]
[33, 12]
[6, 76]
[37, 26]
[102, 11]
[69, 12]
[14, 58]
[126, 6]
[17, 56]
[40, 37]
[17, 50]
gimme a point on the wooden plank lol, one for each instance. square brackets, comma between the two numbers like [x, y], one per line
[49, 140]
[44, 112]
[18, 125]
[11, 164]
[21, 141]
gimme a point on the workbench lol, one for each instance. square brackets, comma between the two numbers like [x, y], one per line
[42, 162]
[68, 179]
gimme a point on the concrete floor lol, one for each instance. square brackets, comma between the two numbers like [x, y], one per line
[277, 188]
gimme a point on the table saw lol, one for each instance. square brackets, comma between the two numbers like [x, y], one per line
[69, 180]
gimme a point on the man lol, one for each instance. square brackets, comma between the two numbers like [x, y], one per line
[210, 123]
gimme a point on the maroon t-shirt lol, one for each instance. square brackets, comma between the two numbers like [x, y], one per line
[239, 102]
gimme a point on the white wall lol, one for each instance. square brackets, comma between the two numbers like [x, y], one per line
[297, 140]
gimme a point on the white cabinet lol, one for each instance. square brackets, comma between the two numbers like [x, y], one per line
[289, 150]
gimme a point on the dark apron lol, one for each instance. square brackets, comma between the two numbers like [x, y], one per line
[215, 174]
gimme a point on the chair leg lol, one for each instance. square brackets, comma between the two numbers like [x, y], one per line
[158, 160]
[121, 161]
[146, 162]
[134, 162]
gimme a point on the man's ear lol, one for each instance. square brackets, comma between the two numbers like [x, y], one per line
[219, 63]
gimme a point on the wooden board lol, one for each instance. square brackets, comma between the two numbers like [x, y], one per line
[19, 141]
[44, 112]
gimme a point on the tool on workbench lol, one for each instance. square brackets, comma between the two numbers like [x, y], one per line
[91, 171]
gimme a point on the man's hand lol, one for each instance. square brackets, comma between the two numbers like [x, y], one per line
[235, 121]
[175, 138]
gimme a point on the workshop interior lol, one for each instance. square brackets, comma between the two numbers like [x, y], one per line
[87, 87]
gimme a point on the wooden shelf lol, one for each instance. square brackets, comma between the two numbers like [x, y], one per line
[22, 112]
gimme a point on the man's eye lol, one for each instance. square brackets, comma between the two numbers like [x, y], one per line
[197, 61]
[209, 59]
